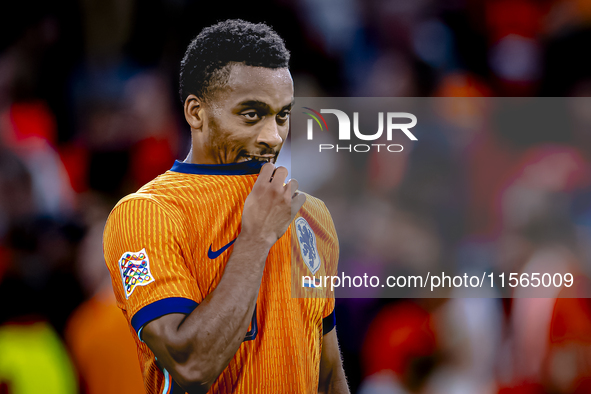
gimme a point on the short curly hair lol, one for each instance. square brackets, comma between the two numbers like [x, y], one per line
[204, 67]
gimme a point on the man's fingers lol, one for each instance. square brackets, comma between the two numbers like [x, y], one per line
[297, 198]
[296, 203]
[279, 175]
[291, 187]
[267, 171]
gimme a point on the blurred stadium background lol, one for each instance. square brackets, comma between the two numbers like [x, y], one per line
[89, 112]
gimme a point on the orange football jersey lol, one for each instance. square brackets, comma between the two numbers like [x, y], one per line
[166, 247]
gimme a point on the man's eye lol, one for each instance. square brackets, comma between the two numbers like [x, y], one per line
[252, 115]
[283, 115]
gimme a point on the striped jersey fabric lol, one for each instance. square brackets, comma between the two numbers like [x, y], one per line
[166, 247]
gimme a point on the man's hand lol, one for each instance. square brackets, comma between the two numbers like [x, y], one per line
[271, 205]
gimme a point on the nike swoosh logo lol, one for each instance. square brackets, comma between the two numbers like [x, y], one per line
[214, 255]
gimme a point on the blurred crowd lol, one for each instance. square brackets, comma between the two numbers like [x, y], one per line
[89, 112]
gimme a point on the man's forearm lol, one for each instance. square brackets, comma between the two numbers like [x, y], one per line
[217, 327]
[206, 340]
[338, 383]
[332, 375]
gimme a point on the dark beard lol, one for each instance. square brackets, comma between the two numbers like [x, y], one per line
[221, 142]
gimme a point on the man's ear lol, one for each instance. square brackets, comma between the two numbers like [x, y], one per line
[194, 112]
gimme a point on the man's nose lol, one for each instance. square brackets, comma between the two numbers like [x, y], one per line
[269, 134]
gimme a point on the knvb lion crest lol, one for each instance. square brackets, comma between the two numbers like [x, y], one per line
[307, 241]
[135, 270]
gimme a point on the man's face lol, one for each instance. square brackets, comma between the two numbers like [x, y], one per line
[248, 119]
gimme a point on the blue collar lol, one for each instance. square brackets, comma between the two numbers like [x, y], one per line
[244, 168]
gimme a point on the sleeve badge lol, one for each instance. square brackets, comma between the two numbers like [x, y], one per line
[135, 271]
[308, 248]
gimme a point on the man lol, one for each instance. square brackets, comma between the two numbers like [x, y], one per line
[200, 257]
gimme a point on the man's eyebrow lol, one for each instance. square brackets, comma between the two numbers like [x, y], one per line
[262, 105]
[254, 103]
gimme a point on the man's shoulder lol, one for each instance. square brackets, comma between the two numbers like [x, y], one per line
[315, 218]
[314, 205]
[161, 194]
[317, 214]
[136, 197]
